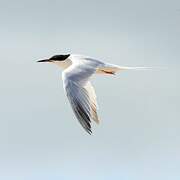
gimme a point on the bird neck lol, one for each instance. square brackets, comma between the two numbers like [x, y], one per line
[64, 64]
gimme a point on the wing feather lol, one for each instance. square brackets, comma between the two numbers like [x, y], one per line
[93, 101]
[80, 92]
[80, 103]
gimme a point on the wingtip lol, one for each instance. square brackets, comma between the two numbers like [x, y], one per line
[89, 131]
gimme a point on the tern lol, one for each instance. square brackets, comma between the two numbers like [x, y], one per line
[76, 74]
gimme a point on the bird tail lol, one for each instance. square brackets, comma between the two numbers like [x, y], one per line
[113, 69]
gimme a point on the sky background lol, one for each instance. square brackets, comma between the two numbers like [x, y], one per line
[139, 134]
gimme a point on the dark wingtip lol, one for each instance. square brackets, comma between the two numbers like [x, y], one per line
[89, 131]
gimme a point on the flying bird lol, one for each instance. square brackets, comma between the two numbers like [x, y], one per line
[77, 71]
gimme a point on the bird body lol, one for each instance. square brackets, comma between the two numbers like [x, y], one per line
[77, 71]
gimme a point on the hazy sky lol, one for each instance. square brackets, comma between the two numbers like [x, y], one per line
[139, 134]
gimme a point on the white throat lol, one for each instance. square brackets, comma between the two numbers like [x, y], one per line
[63, 64]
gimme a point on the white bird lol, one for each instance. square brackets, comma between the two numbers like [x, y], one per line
[77, 71]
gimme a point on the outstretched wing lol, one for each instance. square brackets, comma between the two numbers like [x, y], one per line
[81, 93]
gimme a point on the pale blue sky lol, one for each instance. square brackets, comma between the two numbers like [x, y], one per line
[138, 137]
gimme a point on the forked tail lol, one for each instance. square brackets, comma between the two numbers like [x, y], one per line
[113, 69]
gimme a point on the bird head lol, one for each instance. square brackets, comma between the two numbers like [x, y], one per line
[55, 58]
